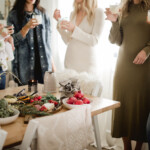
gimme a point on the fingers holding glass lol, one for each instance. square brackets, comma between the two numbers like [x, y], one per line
[3, 32]
[57, 14]
[38, 18]
[10, 29]
[67, 25]
[32, 23]
[110, 16]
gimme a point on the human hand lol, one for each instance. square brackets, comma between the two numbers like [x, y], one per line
[111, 17]
[67, 25]
[11, 41]
[56, 14]
[1, 27]
[2, 32]
[32, 23]
[10, 29]
[140, 58]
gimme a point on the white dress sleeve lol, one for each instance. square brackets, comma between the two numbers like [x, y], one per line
[91, 39]
[65, 35]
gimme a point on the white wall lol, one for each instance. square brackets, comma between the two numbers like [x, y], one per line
[2, 6]
[49, 5]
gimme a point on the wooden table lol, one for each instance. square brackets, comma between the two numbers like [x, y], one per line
[17, 129]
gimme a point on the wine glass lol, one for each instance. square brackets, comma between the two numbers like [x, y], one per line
[38, 17]
[114, 8]
[62, 19]
[148, 16]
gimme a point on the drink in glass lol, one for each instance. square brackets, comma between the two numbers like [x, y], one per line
[148, 16]
[114, 9]
[38, 17]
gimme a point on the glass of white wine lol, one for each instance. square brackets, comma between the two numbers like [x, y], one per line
[114, 8]
[62, 19]
[38, 17]
[148, 16]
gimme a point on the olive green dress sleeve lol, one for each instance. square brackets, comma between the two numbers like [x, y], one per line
[116, 34]
[147, 49]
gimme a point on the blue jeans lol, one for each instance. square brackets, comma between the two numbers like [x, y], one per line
[2, 79]
[148, 130]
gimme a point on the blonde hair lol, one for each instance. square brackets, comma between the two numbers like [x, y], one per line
[125, 5]
[88, 6]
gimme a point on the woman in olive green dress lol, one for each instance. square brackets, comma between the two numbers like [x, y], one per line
[131, 31]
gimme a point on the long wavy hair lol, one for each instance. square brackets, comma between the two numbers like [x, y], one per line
[125, 6]
[88, 6]
[19, 6]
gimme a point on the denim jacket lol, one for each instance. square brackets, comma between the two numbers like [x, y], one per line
[23, 64]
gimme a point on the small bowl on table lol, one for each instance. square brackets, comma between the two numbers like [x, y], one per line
[7, 120]
[72, 106]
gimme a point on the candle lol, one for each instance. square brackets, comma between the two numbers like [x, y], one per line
[32, 85]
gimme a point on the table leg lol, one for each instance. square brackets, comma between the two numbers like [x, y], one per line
[97, 132]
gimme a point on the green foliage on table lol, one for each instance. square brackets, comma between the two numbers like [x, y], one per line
[38, 103]
[48, 97]
[5, 110]
[3, 104]
[30, 110]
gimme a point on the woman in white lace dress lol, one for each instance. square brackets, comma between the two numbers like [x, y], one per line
[6, 53]
[81, 34]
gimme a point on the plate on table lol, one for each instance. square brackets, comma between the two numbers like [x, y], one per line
[71, 106]
[7, 120]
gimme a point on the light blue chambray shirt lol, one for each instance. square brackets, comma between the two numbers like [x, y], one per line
[23, 64]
